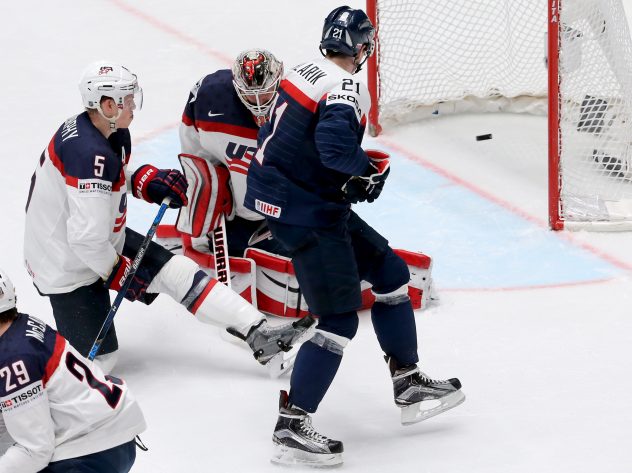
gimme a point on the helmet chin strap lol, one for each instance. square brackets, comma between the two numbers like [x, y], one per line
[111, 121]
[359, 66]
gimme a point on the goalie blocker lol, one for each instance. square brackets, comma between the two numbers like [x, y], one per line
[268, 281]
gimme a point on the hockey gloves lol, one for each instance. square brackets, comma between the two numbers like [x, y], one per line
[368, 187]
[153, 185]
[117, 277]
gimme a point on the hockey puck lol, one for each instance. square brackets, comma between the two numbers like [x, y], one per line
[484, 137]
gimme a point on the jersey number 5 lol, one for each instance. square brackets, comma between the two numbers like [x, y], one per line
[79, 370]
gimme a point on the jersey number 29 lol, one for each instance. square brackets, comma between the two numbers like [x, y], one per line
[21, 375]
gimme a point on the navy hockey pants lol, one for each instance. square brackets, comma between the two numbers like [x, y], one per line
[115, 460]
[79, 314]
[330, 262]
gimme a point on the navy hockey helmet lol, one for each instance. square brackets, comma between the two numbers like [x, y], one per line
[346, 30]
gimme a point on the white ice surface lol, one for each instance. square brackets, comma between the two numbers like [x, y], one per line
[537, 325]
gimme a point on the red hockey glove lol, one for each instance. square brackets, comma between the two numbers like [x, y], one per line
[119, 273]
[368, 187]
[153, 185]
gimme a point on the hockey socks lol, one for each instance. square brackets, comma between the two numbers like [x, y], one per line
[315, 368]
[394, 325]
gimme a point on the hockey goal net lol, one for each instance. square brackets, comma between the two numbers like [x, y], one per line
[571, 59]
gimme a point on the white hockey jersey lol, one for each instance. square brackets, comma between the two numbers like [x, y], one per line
[55, 404]
[77, 206]
[217, 127]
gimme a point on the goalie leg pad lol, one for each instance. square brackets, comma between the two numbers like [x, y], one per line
[278, 292]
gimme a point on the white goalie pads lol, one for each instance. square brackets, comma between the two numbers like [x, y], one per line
[209, 194]
[267, 280]
[277, 289]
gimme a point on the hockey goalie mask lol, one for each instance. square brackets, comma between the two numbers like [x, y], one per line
[256, 77]
[105, 79]
[7, 293]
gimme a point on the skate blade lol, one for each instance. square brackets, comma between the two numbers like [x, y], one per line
[283, 362]
[292, 457]
[426, 409]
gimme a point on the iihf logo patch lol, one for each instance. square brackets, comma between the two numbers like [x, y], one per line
[105, 70]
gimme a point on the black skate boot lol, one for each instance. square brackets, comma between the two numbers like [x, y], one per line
[420, 397]
[297, 443]
[267, 341]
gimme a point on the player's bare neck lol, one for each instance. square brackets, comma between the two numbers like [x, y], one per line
[4, 327]
[101, 124]
[345, 62]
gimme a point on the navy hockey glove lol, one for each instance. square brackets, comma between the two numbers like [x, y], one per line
[368, 187]
[153, 185]
[117, 277]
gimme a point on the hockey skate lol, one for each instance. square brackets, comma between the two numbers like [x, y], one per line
[420, 397]
[297, 443]
[276, 347]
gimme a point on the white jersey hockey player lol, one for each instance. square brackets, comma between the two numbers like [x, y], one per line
[76, 243]
[218, 131]
[61, 411]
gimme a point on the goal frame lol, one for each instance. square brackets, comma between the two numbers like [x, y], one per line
[555, 218]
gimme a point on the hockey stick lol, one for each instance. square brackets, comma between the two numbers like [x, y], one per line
[283, 361]
[220, 253]
[107, 323]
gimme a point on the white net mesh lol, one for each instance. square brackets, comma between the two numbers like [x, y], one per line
[489, 55]
[434, 52]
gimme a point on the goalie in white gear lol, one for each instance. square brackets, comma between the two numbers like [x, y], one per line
[218, 135]
[62, 412]
[76, 243]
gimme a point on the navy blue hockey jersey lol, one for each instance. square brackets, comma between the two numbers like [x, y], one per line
[311, 146]
[217, 127]
[56, 404]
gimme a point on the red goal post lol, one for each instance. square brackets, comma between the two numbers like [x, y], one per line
[570, 59]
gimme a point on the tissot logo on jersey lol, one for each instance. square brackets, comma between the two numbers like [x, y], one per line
[94, 186]
[21, 398]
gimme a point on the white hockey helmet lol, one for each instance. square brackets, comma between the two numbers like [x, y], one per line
[106, 79]
[7, 293]
[256, 77]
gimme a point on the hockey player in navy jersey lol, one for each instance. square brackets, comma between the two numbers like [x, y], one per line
[62, 412]
[218, 135]
[307, 172]
[76, 243]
